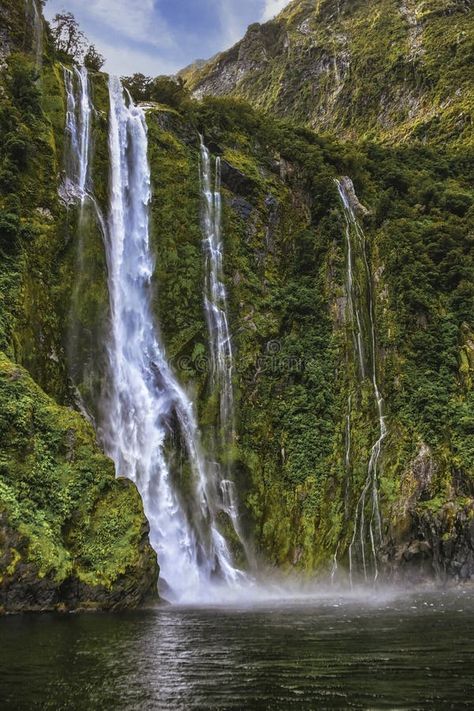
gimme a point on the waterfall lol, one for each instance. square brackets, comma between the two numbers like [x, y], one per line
[78, 129]
[369, 496]
[76, 191]
[38, 35]
[215, 298]
[220, 341]
[33, 12]
[145, 400]
[347, 456]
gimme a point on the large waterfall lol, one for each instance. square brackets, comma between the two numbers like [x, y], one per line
[362, 309]
[145, 400]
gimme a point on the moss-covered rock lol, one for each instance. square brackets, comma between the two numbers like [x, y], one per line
[71, 534]
[298, 390]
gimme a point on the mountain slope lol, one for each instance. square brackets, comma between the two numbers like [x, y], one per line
[386, 69]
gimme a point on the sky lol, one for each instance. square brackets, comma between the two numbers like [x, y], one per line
[162, 36]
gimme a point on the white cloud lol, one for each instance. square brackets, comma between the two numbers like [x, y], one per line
[127, 61]
[272, 8]
[137, 20]
[231, 24]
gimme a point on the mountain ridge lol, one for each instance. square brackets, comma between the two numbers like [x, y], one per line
[389, 70]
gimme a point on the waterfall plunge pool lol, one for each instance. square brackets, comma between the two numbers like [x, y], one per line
[332, 651]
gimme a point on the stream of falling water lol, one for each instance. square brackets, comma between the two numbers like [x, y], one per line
[145, 399]
[220, 341]
[215, 297]
[78, 130]
[33, 12]
[370, 489]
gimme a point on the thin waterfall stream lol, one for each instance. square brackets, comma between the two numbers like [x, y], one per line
[370, 491]
[215, 297]
[220, 340]
[77, 190]
[34, 15]
[79, 111]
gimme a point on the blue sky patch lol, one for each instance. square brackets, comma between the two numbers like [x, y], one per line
[162, 36]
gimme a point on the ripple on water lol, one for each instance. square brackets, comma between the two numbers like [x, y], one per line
[326, 653]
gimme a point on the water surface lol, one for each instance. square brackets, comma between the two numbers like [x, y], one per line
[329, 653]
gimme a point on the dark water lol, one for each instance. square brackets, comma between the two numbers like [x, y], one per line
[401, 653]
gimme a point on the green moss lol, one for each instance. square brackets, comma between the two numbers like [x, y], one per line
[375, 70]
[60, 492]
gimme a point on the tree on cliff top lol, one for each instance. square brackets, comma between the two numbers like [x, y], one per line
[70, 42]
[67, 36]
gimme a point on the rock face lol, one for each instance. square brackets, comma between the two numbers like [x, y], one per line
[23, 588]
[391, 69]
[71, 535]
[236, 180]
[439, 547]
[431, 539]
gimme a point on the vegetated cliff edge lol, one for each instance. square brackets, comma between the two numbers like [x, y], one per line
[72, 536]
[385, 69]
[306, 419]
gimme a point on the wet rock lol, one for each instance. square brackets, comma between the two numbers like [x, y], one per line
[349, 189]
[235, 180]
[22, 589]
[437, 545]
[242, 207]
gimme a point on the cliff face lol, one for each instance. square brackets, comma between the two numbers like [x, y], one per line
[71, 535]
[386, 69]
[307, 418]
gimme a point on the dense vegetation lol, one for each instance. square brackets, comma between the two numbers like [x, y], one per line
[392, 69]
[297, 383]
[285, 261]
[71, 535]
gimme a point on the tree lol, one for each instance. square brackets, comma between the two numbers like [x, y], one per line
[93, 60]
[162, 89]
[139, 86]
[169, 91]
[67, 36]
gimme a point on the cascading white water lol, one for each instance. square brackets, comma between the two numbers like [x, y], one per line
[145, 398]
[220, 341]
[33, 12]
[371, 486]
[215, 297]
[78, 128]
[77, 191]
